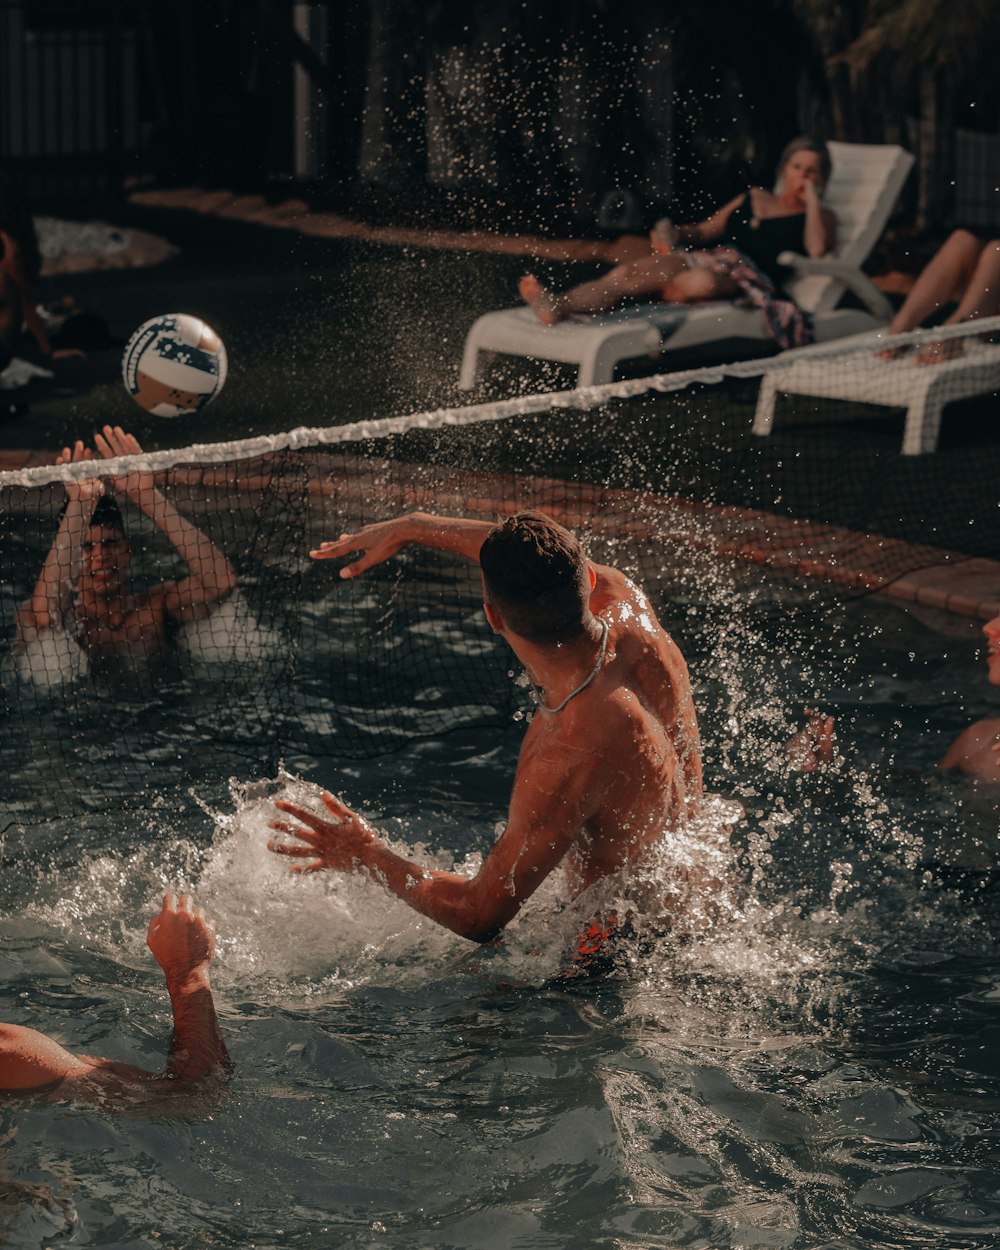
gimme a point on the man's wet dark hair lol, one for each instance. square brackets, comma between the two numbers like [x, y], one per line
[106, 514]
[537, 575]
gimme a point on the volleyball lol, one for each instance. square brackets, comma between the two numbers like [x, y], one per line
[174, 364]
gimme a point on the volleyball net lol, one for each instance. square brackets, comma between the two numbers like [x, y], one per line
[149, 652]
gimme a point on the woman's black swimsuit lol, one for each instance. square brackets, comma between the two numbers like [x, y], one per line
[763, 239]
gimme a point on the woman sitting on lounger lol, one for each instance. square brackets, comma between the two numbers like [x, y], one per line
[964, 271]
[734, 253]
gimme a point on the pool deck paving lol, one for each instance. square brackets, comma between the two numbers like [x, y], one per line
[945, 580]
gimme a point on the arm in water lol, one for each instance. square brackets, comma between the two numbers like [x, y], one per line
[183, 946]
[549, 806]
[210, 576]
[976, 751]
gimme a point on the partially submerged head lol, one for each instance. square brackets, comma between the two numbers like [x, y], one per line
[106, 548]
[536, 575]
[805, 158]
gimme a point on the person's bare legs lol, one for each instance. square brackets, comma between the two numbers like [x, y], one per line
[13, 266]
[667, 276]
[627, 247]
[542, 302]
[945, 278]
[981, 298]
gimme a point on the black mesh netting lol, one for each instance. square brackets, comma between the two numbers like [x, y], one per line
[286, 660]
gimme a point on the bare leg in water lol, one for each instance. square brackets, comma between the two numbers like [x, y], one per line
[963, 271]
[668, 277]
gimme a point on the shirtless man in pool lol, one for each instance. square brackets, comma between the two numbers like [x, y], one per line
[183, 945]
[82, 586]
[610, 760]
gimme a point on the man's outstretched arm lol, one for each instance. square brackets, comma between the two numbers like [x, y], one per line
[382, 540]
[544, 820]
[459, 536]
[182, 944]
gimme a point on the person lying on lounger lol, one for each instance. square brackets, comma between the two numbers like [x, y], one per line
[611, 760]
[965, 271]
[733, 254]
[975, 752]
[83, 588]
[182, 944]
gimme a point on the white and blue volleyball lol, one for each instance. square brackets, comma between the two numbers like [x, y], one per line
[174, 364]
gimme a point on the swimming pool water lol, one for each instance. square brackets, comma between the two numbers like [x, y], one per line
[820, 1071]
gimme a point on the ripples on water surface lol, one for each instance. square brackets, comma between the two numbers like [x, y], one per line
[819, 1071]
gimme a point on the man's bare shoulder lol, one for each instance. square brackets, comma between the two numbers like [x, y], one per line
[973, 752]
[625, 604]
[613, 586]
[28, 624]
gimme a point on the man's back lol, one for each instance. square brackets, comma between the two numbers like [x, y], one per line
[626, 751]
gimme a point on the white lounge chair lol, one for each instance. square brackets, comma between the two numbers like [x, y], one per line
[863, 189]
[863, 377]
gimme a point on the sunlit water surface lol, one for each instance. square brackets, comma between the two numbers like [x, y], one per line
[817, 1070]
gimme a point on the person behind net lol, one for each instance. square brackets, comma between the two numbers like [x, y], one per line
[732, 255]
[83, 590]
[20, 269]
[183, 945]
[964, 271]
[610, 761]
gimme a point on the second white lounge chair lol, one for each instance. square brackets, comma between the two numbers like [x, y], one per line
[863, 189]
[860, 376]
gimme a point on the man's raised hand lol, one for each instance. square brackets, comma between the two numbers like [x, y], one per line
[112, 442]
[813, 748]
[180, 938]
[80, 487]
[338, 844]
[377, 543]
